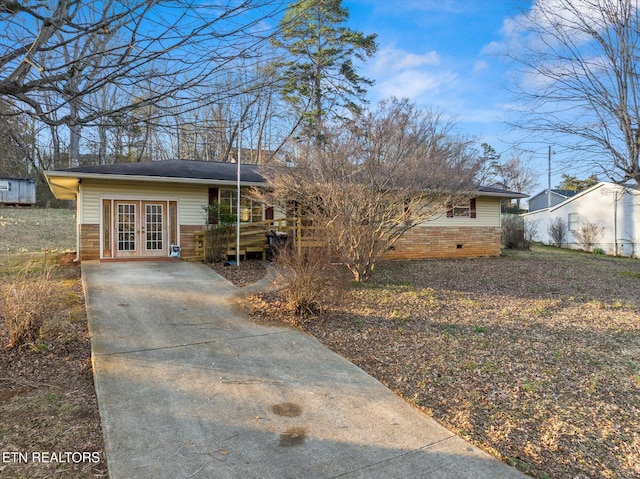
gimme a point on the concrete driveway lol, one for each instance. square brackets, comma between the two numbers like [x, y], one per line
[189, 388]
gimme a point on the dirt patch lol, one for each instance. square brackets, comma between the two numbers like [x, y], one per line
[287, 409]
[535, 356]
[249, 272]
[49, 420]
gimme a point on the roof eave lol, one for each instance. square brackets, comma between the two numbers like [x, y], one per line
[156, 179]
[65, 189]
[506, 195]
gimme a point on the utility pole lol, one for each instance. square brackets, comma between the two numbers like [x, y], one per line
[238, 196]
[549, 179]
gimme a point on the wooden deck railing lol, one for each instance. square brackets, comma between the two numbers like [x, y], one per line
[254, 237]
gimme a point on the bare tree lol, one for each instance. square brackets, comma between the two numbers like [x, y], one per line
[517, 233]
[580, 79]
[16, 140]
[377, 176]
[515, 174]
[56, 55]
[557, 230]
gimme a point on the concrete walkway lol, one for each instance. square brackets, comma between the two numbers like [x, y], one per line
[188, 388]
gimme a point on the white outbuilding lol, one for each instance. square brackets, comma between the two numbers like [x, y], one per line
[615, 208]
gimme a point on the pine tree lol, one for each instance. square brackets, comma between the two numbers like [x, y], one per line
[319, 78]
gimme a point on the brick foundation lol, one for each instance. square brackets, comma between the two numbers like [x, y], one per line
[89, 242]
[417, 243]
[450, 242]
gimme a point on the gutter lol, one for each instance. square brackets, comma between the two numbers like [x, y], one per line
[155, 179]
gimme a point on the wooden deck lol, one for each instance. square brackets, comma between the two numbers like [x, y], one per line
[254, 238]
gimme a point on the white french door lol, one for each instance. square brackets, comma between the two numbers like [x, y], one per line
[153, 231]
[139, 228]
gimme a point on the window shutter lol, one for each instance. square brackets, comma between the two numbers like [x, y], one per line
[472, 205]
[268, 213]
[449, 210]
[213, 199]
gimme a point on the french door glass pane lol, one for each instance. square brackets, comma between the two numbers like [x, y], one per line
[126, 227]
[154, 227]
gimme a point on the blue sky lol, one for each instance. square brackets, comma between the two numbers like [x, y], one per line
[444, 54]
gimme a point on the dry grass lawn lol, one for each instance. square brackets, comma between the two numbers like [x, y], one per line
[26, 230]
[534, 356]
[49, 421]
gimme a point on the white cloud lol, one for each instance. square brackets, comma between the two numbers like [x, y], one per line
[480, 66]
[483, 115]
[547, 20]
[413, 84]
[391, 60]
[406, 74]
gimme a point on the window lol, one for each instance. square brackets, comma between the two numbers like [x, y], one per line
[5, 185]
[574, 222]
[106, 227]
[126, 227]
[462, 210]
[154, 227]
[250, 211]
[173, 222]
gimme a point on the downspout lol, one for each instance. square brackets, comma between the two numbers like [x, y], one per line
[78, 210]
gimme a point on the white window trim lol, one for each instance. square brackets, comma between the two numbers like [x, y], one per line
[573, 225]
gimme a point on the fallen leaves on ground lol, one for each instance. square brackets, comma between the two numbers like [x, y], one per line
[49, 420]
[535, 356]
[248, 272]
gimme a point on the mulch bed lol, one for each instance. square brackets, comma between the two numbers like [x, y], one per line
[247, 273]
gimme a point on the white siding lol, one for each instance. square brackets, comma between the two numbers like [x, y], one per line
[617, 213]
[191, 198]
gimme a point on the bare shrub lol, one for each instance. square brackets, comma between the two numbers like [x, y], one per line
[217, 240]
[309, 274]
[376, 176]
[557, 230]
[219, 233]
[588, 234]
[516, 233]
[26, 302]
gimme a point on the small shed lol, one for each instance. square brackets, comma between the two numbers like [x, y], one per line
[17, 191]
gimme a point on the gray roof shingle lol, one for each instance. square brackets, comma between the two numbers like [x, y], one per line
[203, 170]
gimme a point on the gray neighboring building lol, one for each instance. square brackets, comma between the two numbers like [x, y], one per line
[17, 191]
[541, 200]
